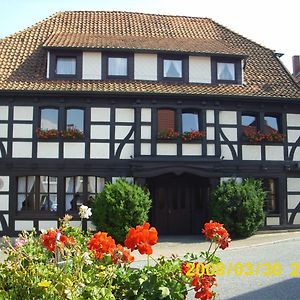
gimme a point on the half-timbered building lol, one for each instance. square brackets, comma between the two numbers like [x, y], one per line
[174, 103]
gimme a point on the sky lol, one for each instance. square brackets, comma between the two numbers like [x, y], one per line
[273, 24]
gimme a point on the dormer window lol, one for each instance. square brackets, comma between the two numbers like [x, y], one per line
[117, 66]
[173, 68]
[226, 70]
[65, 65]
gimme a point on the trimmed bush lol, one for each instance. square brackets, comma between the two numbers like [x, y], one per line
[239, 206]
[119, 206]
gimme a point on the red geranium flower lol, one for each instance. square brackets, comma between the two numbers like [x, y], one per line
[142, 238]
[121, 255]
[203, 286]
[101, 244]
[52, 236]
[216, 232]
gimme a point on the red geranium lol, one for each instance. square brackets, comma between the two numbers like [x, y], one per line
[121, 255]
[203, 286]
[216, 232]
[52, 236]
[101, 244]
[142, 238]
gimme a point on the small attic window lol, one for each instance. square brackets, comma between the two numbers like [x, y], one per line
[225, 71]
[66, 66]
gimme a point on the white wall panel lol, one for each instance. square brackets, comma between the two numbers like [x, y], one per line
[145, 66]
[210, 116]
[23, 113]
[145, 149]
[293, 201]
[211, 149]
[6, 217]
[4, 202]
[273, 221]
[146, 132]
[230, 133]
[251, 152]
[191, 149]
[22, 131]
[293, 119]
[293, 135]
[4, 183]
[199, 69]
[74, 150]
[22, 150]
[226, 152]
[3, 130]
[296, 219]
[166, 149]
[91, 226]
[91, 65]
[47, 224]
[100, 131]
[3, 113]
[125, 115]
[296, 153]
[122, 131]
[100, 114]
[47, 150]
[274, 153]
[210, 133]
[127, 151]
[99, 150]
[293, 184]
[146, 114]
[23, 225]
[228, 117]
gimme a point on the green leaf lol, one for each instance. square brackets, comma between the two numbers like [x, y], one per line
[165, 292]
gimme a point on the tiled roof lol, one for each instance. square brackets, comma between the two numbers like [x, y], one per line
[23, 58]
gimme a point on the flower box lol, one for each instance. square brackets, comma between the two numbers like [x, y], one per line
[72, 134]
[254, 136]
[186, 136]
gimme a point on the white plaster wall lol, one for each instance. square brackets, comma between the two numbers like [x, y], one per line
[3, 113]
[235, 179]
[211, 149]
[100, 114]
[296, 153]
[22, 150]
[274, 153]
[75, 223]
[273, 221]
[6, 219]
[3, 130]
[210, 116]
[293, 119]
[22, 131]
[296, 220]
[230, 133]
[47, 224]
[47, 150]
[91, 65]
[145, 149]
[210, 133]
[225, 151]
[125, 115]
[199, 69]
[99, 150]
[293, 201]
[23, 113]
[228, 117]
[48, 64]
[4, 183]
[146, 114]
[191, 149]
[91, 226]
[127, 179]
[251, 152]
[293, 135]
[146, 132]
[145, 66]
[74, 150]
[166, 149]
[4, 202]
[23, 225]
[122, 131]
[127, 151]
[293, 184]
[100, 132]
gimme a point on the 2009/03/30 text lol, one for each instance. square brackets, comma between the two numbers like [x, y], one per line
[243, 269]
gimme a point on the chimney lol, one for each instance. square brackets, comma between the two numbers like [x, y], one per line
[296, 65]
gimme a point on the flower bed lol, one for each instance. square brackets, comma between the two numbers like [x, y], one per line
[66, 263]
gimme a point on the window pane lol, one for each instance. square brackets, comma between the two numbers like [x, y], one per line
[165, 120]
[172, 68]
[271, 201]
[66, 66]
[270, 124]
[117, 66]
[48, 202]
[79, 184]
[21, 202]
[190, 121]
[52, 184]
[249, 120]
[21, 184]
[49, 118]
[225, 71]
[75, 119]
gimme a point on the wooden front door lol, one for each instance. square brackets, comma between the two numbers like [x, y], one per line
[178, 204]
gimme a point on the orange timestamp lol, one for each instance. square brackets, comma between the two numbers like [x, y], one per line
[242, 269]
